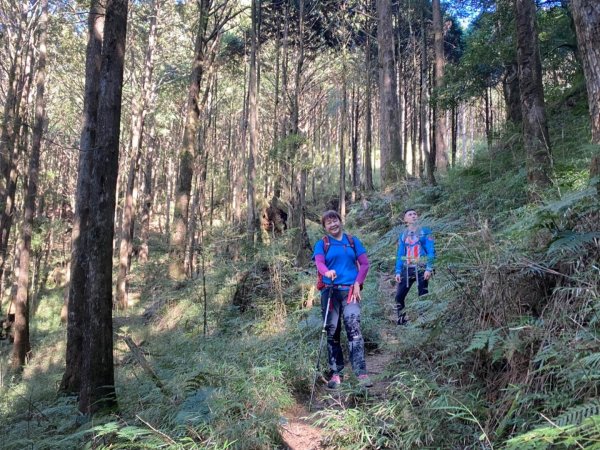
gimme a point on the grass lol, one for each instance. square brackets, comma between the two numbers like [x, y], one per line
[504, 346]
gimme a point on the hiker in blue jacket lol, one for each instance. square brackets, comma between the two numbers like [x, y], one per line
[342, 262]
[414, 260]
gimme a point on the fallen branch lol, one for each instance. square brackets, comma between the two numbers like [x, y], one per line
[141, 359]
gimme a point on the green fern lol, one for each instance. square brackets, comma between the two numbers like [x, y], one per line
[485, 339]
[571, 242]
[577, 414]
[569, 200]
[592, 361]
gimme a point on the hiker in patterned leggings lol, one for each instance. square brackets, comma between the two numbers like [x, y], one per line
[342, 263]
[414, 261]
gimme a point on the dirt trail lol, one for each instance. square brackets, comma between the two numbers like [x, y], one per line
[297, 429]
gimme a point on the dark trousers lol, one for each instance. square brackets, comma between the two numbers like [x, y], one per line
[340, 309]
[405, 285]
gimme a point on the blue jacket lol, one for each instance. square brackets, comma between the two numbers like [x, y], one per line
[415, 249]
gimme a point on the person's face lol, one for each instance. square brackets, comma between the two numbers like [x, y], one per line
[411, 217]
[333, 226]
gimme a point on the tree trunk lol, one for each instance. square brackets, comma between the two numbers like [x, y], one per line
[189, 149]
[22, 344]
[441, 146]
[586, 14]
[454, 133]
[12, 101]
[368, 120]
[147, 198]
[535, 127]
[342, 139]
[138, 120]
[71, 381]
[251, 222]
[424, 119]
[97, 390]
[355, 136]
[389, 139]
[512, 94]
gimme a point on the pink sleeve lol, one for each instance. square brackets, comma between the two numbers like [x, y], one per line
[320, 263]
[363, 263]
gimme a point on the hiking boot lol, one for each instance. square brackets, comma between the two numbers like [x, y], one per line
[402, 319]
[334, 382]
[365, 381]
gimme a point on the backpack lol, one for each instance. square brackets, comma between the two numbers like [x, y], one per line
[421, 241]
[326, 244]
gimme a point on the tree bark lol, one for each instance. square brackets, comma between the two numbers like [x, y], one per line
[535, 127]
[147, 197]
[424, 116]
[251, 220]
[189, 148]
[97, 390]
[342, 139]
[71, 381]
[441, 129]
[137, 131]
[392, 168]
[586, 14]
[368, 120]
[22, 345]
[355, 136]
[512, 94]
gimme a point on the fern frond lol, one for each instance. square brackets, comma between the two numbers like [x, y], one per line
[572, 242]
[485, 339]
[592, 361]
[577, 414]
[570, 200]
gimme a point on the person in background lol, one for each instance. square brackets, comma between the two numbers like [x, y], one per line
[341, 261]
[414, 261]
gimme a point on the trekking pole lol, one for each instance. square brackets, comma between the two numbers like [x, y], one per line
[318, 365]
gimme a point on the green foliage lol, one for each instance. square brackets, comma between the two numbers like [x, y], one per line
[414, 415]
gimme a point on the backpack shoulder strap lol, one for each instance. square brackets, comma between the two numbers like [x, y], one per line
[350, 239]
[402, 235]
[326, 244]
[351, 242]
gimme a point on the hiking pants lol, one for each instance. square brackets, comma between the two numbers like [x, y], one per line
[405, 285]
[350, 313]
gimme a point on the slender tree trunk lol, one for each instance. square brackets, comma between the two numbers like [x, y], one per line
[535, 127]
[355, 136]
[424, 120]
[22, 345]
[454, 130]
[342, 139]
[138, 120]
[147, 197]
[368, 120]
[586, 14]
[12, 101]
[71, 381]
[441, 147]
[389, 138]
[252, 218]
[189, 149]
[298, 187]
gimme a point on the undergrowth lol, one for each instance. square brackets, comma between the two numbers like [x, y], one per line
[503, 353]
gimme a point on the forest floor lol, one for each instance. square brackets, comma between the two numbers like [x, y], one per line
[299, 431]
